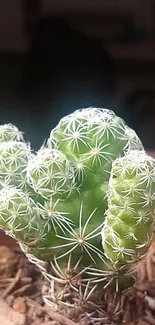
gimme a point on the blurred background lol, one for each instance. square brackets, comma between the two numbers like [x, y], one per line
[58, 56]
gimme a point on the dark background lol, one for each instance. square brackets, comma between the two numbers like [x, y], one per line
[58, 56]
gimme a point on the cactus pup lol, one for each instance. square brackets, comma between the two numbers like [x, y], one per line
[130, 217]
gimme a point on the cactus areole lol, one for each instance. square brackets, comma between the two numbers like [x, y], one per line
[84, 202]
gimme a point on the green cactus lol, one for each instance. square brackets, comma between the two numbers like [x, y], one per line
[14, 156]
[50, 173]
[72, 176]
[19, 215]
[85, 201]
[92, 138]
[68, 180]
[130, 217]
[9, 132]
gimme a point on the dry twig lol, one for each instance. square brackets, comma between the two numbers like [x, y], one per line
[149, 320]
[12, 284]
[58, 317]
[8, 316]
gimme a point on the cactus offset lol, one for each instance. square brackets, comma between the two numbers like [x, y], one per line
[9, 132]
[130, 217]
[19, 215]
[14, 156]
[50, 173]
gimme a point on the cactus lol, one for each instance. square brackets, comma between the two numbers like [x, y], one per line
[19, 215]
[130, 217]
[84, 202]
[72, 174]
[69, 179]
[92, 138]
[14, 155]
[50, 173]
[9, 132]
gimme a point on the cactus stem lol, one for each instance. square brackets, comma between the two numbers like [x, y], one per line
[108, 128]
[97, 152]
[99, 275]
[10, 132]
[84, 296]
[148, 198]
[81, 298]
[68, 276]
[80, 170]
[77, 134]
[55, 217]
[121, 251]
[72, 280]
[145, 243]
[113, 275]
[54, 299]
[39, 238]
[80, 239]
[143, 217]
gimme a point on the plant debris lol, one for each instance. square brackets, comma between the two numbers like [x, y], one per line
[21, 301]
[8, 316]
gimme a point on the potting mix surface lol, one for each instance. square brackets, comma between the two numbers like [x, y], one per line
[22, 301]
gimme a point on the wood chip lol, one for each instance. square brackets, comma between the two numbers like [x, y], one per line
[8, 316]
[19, 305]
[138, 322]
[148, 287]
[149, 320]
[26, 290]
[10, 288]
[58, 317]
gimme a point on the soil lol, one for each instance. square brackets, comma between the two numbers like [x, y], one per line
[22, 302]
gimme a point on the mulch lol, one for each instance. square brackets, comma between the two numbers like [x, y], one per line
[22, 303]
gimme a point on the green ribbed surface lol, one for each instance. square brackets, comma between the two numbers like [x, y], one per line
[130, 217]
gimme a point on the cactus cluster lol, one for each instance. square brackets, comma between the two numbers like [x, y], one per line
[71, 173]
[87, 195]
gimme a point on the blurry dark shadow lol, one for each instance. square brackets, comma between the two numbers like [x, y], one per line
[64, 71]
[140, 115]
